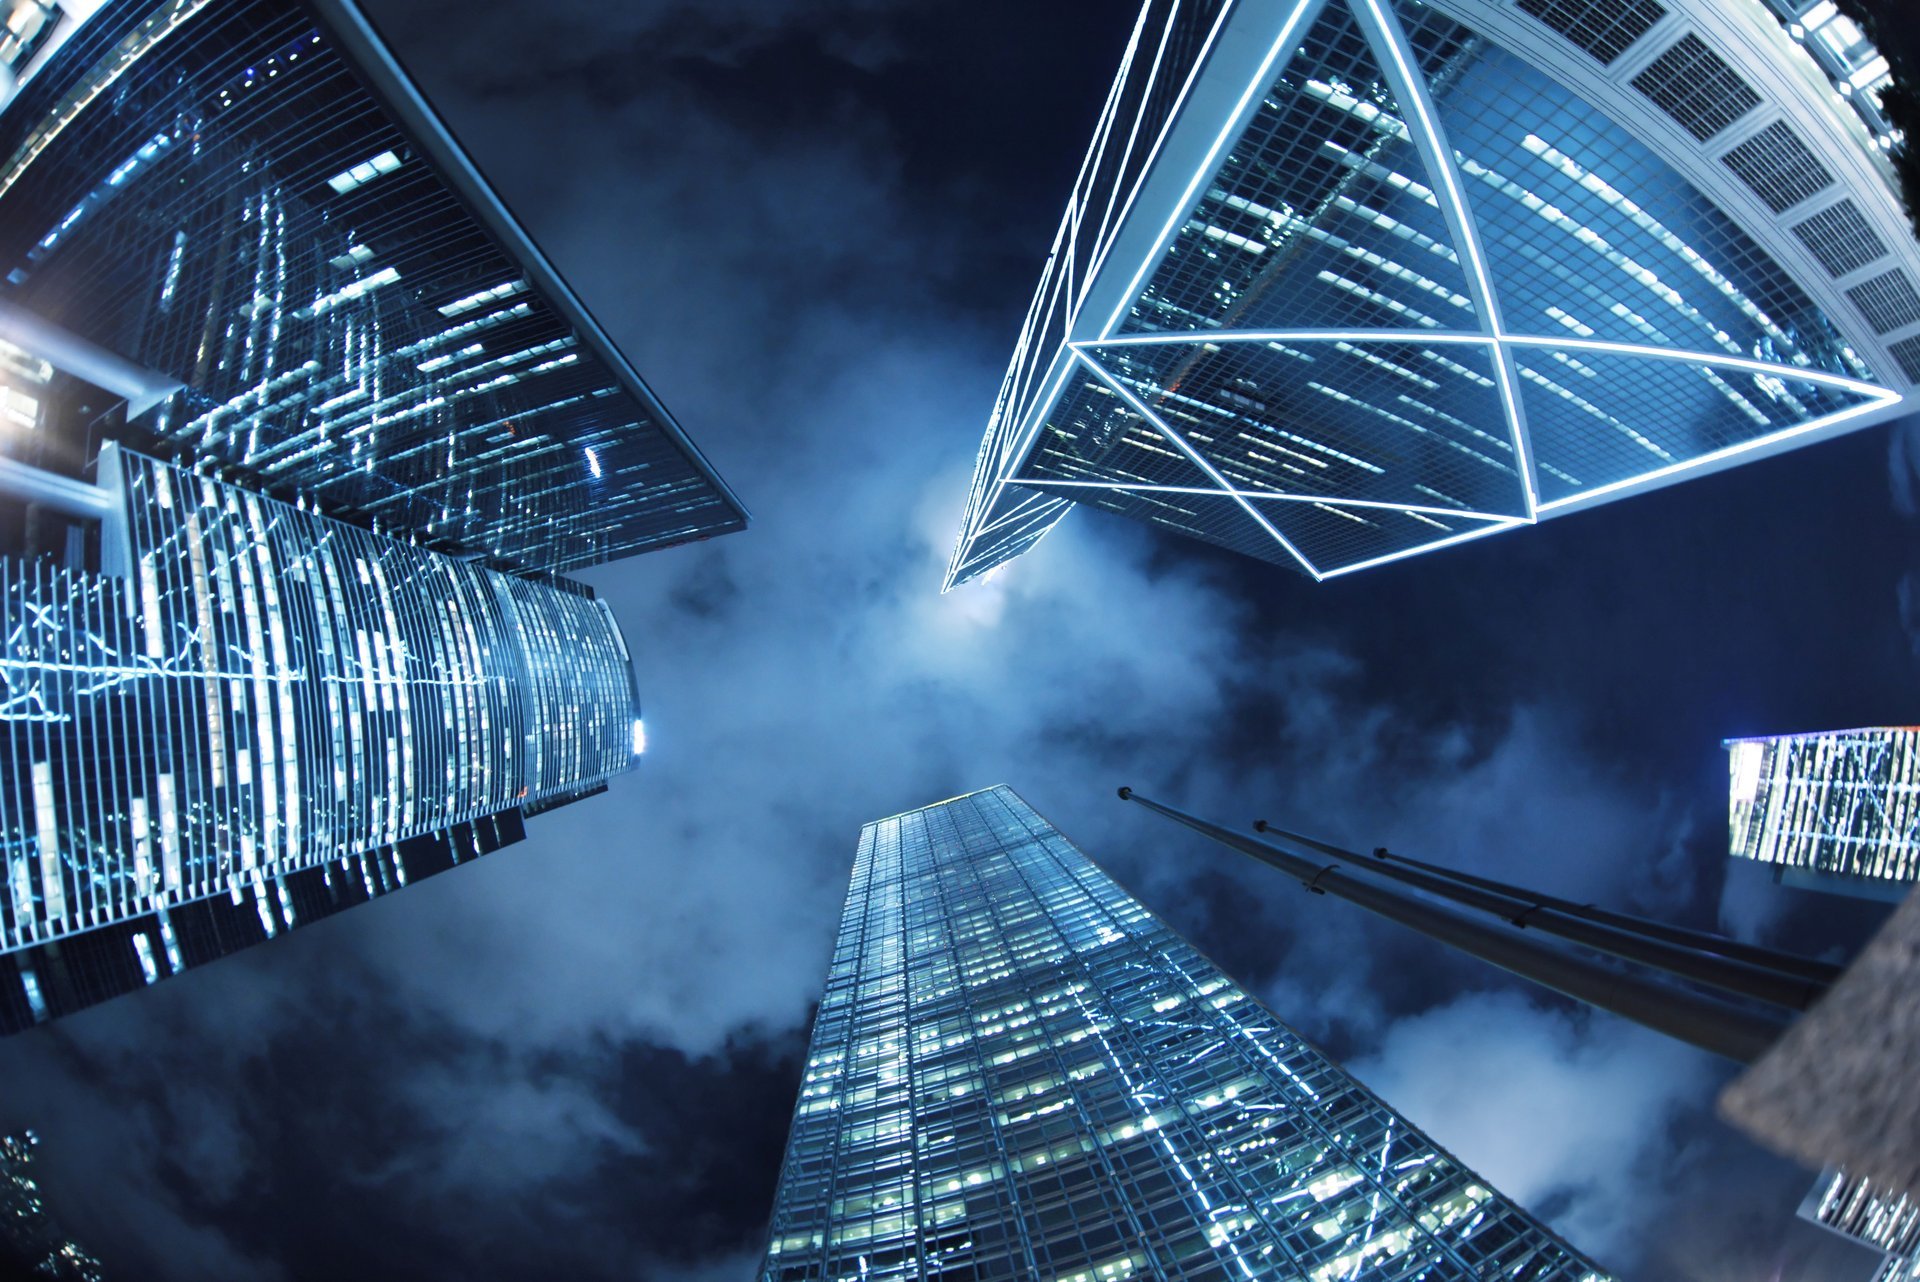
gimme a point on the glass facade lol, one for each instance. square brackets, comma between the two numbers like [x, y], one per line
[249, 197]
[1416, 289]
[1844, 803]
[1017, 1072]
[261, 714]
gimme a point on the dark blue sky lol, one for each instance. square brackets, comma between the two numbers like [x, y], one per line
[815, 227]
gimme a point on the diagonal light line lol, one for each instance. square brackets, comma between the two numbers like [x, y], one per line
[1027, 502]
[1329, 500]
[1285, 41]
[1105, 244]
[1410, 88]
[1505, 523]
[1648, 479]
[1721, 359]
[1140, 407]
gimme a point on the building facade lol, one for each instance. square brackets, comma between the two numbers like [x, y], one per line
[298, 432]
[1342, 281]
[251, 199]
[1836, 811]
[1877, 1219]
[1016, 1071]
[254, 715]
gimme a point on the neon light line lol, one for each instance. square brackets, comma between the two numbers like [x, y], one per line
[1173, 115]
[1508, 524]
[1200, 461]
[1720, 359]
[1260, 81]
[1329, 500]
[1731, 451]
[1386, 37]
[1288, 335]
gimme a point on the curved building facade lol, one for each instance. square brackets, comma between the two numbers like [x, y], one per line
[1343, 281]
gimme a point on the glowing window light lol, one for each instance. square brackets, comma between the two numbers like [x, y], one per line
[471, 302]
[593, 462]
[363, 173]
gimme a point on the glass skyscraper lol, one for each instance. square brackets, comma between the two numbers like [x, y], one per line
[1016, 1071]
[1341, 281]
[262, 716]
[250, 199]
[1837, 811]
[298, 432]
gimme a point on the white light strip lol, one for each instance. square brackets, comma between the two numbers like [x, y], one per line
[1284, 42]
[1331, 500]
[1718, 359]
[1389, 42]
[1173, 115]
[1505, 523]
[1199, 461]
[1423, 336]
[1647, 479]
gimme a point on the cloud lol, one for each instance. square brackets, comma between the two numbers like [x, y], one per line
[1564, 1112]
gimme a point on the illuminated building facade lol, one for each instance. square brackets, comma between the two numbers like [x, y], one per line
[1875, 1218]
[1836, 811]
[1017, 1072]
[254, 715]
[1342, 281]
[250, 198]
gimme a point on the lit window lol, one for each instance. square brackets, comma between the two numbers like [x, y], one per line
[364, 172]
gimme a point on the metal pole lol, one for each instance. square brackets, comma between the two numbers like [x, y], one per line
[1809, 968]
[1763, 983]
[1738, 1033]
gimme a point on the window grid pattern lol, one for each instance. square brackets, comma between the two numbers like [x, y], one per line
[1313, 330]
[1840, 238]
[1887, 301]
[1017, 1072]
[240, 213]
[1845, 802]
[1779, 168]
[1695, 86]
[1907, 353]
[267, 690]
[1605, 29]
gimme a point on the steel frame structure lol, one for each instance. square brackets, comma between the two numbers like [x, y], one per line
[1246, 46]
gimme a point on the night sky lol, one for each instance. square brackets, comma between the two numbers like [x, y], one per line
[815, 228]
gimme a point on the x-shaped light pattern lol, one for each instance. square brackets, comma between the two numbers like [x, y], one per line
[1007, 531]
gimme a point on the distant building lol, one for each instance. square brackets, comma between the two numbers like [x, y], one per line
[298, 431]
[1837, 811]
[1342, 281]
[1017, 1072]
[32, 1244]
[1889, 1224]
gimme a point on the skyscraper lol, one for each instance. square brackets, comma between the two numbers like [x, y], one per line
[298, 429]
[251, 200]
[1017, 1071]
[1836, 811]
[1341, 281]
[255, 716]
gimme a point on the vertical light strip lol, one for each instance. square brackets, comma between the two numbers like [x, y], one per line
[1396, 61]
